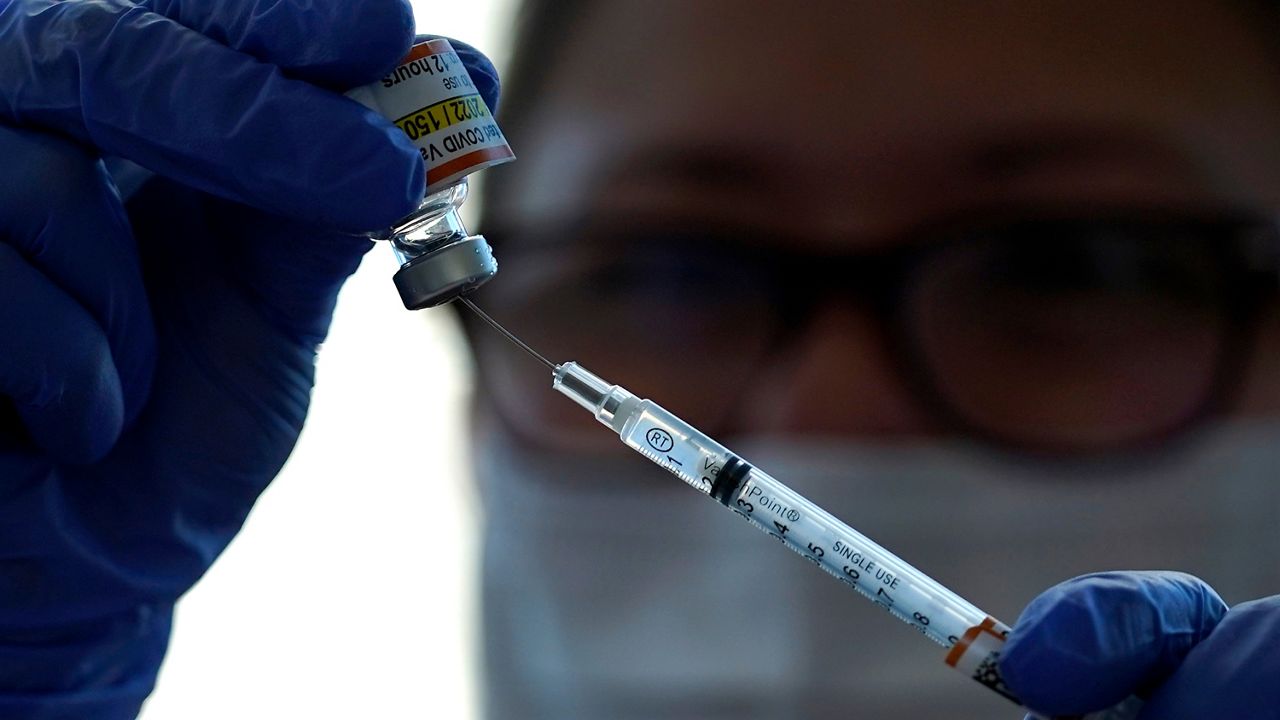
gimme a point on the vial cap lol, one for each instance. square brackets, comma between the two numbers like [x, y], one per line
[444, 274]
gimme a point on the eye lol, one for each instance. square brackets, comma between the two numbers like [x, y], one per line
[1075, 332]
[1172, 266]
[679, 268]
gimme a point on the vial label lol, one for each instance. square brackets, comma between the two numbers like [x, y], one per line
[430, 96]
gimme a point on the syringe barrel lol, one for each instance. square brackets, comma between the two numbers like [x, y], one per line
[973, 639]
[854, 559]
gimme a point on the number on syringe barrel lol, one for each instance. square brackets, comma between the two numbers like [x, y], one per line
[918, 620]
[851, 576]
[882, 598]
[815, 554]
[745, 509]
[782, 530]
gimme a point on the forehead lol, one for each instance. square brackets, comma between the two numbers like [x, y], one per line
[863, 117]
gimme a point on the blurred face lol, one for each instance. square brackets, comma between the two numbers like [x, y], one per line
[1050, 229]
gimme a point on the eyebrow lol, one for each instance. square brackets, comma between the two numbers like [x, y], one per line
[730, 174]
[996, 154]
[1019, 152]
[711, 167]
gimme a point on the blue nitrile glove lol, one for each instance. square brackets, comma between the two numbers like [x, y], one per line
[1088, 643]
[156, 359]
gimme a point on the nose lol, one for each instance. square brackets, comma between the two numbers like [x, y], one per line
[836, 379]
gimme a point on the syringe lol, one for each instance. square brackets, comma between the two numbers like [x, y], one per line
[973, 639]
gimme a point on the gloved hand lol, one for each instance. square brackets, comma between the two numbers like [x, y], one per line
[1089, 643]
[156, 358]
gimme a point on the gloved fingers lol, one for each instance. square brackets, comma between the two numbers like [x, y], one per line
[334, 43]
[100, 668]
[56, 366]
[1089, 643]
[293, 271]
[1230, 674]
[65, 218]
[143, 87]
[479, 67]
[289, 272]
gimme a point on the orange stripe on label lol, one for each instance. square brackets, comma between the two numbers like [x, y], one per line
[430, 47]
[472, 159]
[958, 650]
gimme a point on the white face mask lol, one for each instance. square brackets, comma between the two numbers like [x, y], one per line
[611, 590]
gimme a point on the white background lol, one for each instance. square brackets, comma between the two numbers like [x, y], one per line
[350, 591]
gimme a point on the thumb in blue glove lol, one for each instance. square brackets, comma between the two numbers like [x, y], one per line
[1089, 643]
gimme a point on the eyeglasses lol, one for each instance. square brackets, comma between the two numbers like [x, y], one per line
[1043, 332]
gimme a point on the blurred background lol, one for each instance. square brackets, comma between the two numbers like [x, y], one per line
[350, 592]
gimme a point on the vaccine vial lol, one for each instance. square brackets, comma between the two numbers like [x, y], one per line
[430, 97]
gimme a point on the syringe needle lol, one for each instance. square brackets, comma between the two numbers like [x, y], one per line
[507, 334]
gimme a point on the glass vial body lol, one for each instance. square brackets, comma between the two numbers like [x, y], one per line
[439, 259]
[435, 223]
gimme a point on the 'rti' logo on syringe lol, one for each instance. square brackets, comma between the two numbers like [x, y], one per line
[659, 439]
